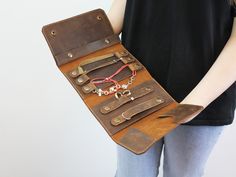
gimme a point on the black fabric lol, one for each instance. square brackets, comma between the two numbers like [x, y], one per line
[178, 41]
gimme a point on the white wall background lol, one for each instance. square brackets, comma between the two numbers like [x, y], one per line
[45, 129]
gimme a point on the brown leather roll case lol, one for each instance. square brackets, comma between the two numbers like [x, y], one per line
[136, 115]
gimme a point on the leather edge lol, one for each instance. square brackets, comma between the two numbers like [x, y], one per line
[136, 141]
[58, 63]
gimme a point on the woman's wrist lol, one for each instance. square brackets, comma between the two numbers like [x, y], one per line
[189, 100]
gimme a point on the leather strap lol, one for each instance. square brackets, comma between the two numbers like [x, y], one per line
[125, 98]
[123, 53]
[79, 70]
[83, 73]
[135, 66]
[82, 79]
[128, 114]
[105, 60]
[98, 58]
[91, 87]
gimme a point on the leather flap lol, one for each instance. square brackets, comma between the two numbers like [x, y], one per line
[80, 35]
[182, 112]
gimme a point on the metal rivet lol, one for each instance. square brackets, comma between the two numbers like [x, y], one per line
[147, 88]
[99, 17]
[70, 55]
[106, 108]
[124, 53]
[53, 33]
[107, 41]
[74, 73]
[116, 120]
[80, 80]
[86, 88]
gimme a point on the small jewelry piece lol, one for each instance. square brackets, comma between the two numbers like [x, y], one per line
[116, 86]
[126, 92]
[118, 95]
[127, 118]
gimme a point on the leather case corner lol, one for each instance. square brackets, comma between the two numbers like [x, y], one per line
[80, 35]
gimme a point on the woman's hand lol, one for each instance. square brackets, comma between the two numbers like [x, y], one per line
[220, 76]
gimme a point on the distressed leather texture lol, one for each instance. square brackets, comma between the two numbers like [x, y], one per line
[85, 47]
[67, 43]
[125, 98]
[106, 119]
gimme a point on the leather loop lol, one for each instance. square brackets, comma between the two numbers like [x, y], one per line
[104, 59]
[99, 62]
[122, 54]
[82, 79]
[128, 114]
[124, 98]
[92, 60]
[126, 60]
[135, 66]
[89, 88]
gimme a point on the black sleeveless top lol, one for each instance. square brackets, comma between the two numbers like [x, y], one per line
[178, 41]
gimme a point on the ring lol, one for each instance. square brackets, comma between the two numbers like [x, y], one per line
[118, 95]
[127, 118]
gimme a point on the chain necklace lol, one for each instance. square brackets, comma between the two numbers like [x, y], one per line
[116, 86]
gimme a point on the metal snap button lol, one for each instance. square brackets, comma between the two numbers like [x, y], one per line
[53, 33]
[74, 73]
[99, 17]
[106, 108]
[117, 120]
[70, 55]
[147, 88]
[86, 88]
[159, 100]
[80, 80]
[107, 41]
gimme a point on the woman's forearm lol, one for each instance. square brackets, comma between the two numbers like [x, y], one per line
[116, 15]
[221, 75]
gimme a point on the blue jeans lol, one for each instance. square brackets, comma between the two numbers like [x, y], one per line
[186, 150]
